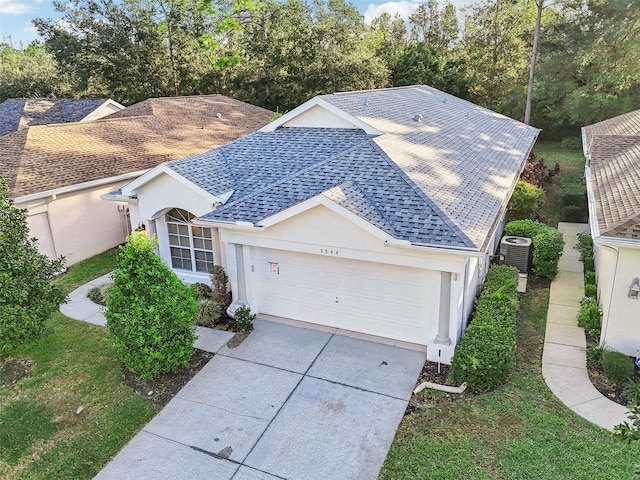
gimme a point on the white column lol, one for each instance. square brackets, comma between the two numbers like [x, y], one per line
[241, 296]
[445, 309]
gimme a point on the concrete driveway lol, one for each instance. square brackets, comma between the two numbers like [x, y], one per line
[289, 403]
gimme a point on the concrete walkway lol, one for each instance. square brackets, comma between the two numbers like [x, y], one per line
[288, 403]
[564, 361]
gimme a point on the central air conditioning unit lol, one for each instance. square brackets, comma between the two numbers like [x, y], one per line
[515, 252]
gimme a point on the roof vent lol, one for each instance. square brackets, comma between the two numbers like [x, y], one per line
[515, 252]
[417, 118]
[218, 115]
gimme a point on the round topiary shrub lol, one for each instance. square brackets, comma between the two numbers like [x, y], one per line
[617, 366]
[150, 313]
[590, 290]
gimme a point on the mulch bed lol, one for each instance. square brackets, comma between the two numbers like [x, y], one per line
[430, 398]
[13, 370]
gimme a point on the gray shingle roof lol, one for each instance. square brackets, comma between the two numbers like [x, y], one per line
[443, 181]
[17, 113]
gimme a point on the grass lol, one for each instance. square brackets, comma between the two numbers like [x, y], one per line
[570, 161]
[43, 433]
[518, 431]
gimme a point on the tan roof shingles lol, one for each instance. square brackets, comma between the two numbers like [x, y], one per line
[615, 175]
[56, 156]
[626, 124]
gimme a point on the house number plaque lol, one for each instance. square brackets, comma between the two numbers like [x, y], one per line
[328, 251]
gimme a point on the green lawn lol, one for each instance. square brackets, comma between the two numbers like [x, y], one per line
[41, 433]
[518, 431]
[570, 161]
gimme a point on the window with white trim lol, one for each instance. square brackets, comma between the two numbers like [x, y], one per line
[191, 246]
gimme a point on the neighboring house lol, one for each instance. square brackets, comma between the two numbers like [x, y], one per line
[19, 113]
[373, 211]
[58, 172]
[612, 151]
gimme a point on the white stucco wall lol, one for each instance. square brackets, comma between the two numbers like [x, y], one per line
[76, 225]
[621, 314]
[165, 192]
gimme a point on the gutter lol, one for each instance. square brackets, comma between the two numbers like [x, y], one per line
[77, 187]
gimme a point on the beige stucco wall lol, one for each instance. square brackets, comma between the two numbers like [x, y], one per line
[621, 314]
[76, 225]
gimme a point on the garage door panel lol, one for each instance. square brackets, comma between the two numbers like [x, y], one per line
[378, 299]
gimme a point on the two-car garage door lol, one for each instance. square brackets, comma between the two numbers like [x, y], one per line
[379, 299]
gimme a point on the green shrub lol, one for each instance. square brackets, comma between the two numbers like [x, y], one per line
[571, 143]
[244, 318]
[28, 296]
[200, 290]
[525, 201]
[617, 366]
[595, 352]
[590, 277]
[590, 290]
[209, 312]
[575, 213]
[547, 245]
[99, 294]
[589, 264]
[484, 355]
[589, 315]
[220, 282]
[585, 245]
[150, 313]
[626, 431]
[632, 391]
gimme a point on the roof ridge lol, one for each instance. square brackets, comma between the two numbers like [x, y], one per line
[430, 202]
[291, 175]
[627, 222]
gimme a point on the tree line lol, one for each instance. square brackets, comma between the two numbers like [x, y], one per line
[278, 54]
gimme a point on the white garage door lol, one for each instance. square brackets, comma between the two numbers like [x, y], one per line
[378, 299]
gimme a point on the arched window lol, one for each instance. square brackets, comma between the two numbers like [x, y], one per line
[191, 246]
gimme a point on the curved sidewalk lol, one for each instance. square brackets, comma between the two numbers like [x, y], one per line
[564, 360]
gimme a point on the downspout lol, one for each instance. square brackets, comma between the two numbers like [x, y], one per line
[603, 334]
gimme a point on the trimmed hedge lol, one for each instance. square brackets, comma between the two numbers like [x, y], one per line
[547, 245]
[617, 366]
[484, 355]
[590, 290]
[573, 197]
[589, 316]
[525, 201]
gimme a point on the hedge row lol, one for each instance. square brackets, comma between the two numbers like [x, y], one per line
[547, 245]
[484, 355]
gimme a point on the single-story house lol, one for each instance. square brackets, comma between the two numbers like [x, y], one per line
[19, 113]
[612, 151]
[59, 172]
[372, 211]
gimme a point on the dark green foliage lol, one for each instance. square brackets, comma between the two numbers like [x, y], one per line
[632, 391]
[28, 297]
[590, 277]
[585, 245]
[617, 366]
[590, 290]
[201, 290]
[573, 198]
[547, 245]
[589, 315]
[150, 312]
[629, 432]
[484, 355]
[244, 318]
[23, 423]
[595, 352]
[572, 143]
[589, 264]
[574, 213]
[525, 201]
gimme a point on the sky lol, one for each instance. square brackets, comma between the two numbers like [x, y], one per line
[16, 15]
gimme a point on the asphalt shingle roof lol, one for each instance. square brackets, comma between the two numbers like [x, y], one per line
[615, 176]
[443, 181]
[19, 113]
[47, 157]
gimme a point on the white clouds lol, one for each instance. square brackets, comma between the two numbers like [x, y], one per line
[17, 7]
[29, 28]
[404, 8]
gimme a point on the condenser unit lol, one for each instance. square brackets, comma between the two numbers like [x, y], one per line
[515, 251]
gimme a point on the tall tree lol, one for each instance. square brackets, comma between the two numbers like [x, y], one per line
[534, 55]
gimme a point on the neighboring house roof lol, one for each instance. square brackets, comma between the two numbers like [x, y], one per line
[441, 181]
[612, 148]
[19, 113]
[48, 157]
